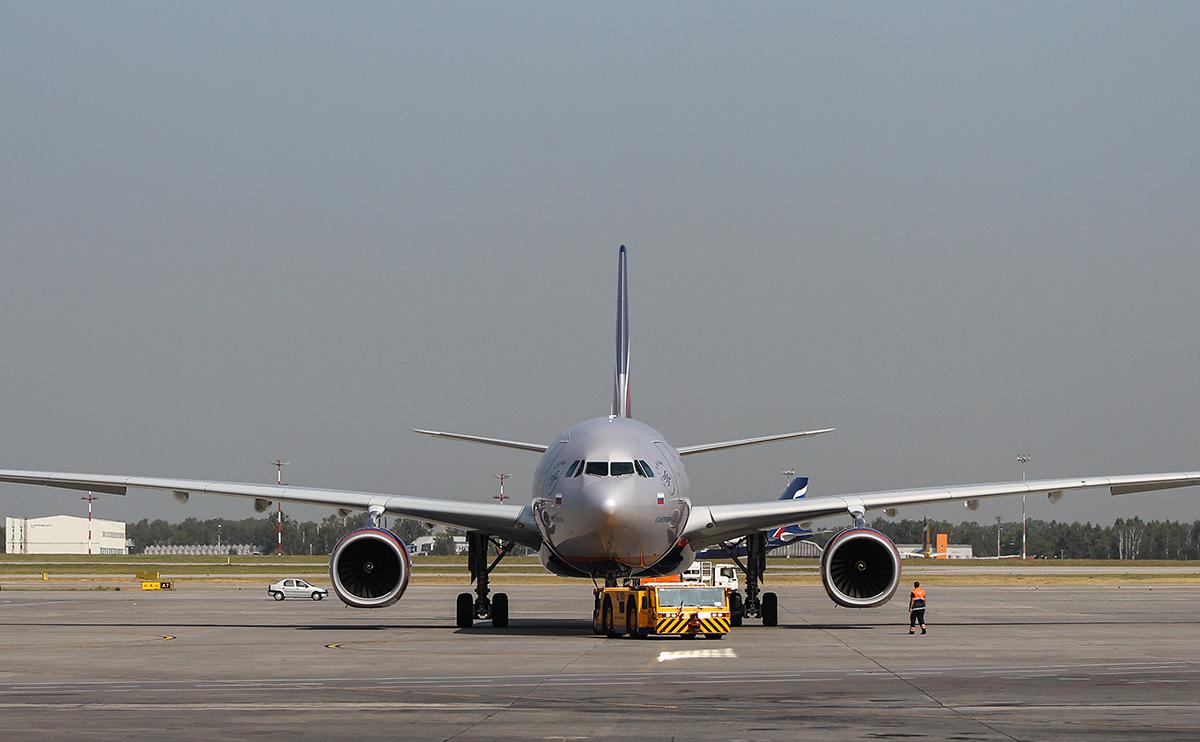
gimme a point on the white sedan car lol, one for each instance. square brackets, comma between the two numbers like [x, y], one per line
[295, 588]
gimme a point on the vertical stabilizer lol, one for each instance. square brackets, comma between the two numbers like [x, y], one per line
[620, 402]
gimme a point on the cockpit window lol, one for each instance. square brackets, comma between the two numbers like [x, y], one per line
[576, 469]
[646, 468]
[596, 468]
[620, 468]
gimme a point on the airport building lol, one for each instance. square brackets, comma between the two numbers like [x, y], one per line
[940, 551]
[423, 545]
[64, 534]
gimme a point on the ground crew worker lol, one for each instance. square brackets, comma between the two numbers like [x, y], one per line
[916, 609]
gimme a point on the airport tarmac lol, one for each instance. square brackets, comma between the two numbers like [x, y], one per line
[206, 662]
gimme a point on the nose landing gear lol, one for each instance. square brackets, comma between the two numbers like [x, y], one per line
[467, 609]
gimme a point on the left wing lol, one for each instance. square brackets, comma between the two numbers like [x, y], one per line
[709, 524]
[511, 522]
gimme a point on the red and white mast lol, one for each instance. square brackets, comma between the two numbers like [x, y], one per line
[90, 498]
[279, 464]
[501, 497]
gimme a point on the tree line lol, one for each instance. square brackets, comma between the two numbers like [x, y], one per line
[299, 537]
[1127, 538]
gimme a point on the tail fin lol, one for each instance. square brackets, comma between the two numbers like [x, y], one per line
[796, 490]
[621, 400]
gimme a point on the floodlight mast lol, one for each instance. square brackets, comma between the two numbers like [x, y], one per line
[1023, 460]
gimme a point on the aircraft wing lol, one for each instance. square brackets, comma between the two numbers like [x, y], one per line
[510, 522]
[709, 524]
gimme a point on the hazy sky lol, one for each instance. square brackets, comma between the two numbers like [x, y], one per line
[957, 232]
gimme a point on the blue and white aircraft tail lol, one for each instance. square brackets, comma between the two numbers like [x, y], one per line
[776, 538]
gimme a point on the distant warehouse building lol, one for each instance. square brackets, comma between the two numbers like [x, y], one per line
[64, 534]
[950, 551]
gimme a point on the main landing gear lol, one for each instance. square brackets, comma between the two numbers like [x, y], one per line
[469, 608]
[755, 605]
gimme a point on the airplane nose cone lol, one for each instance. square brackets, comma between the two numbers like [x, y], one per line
[610, 523]
[616, 515]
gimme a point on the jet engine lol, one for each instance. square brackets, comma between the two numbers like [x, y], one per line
[860, 568]
[369, 568]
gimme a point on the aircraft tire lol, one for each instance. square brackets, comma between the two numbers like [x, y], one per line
[500, 611]
[735, 609]
[770, 609]
[464, 611]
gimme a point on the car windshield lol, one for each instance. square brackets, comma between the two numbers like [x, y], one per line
[700, 597]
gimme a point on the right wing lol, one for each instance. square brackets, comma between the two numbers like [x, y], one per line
[715, 523]
[510, 522]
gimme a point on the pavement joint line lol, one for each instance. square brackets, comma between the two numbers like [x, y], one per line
[636, 677]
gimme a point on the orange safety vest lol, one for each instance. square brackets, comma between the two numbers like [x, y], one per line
[918, 593]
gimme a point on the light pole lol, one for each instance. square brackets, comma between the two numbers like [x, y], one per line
[501, 497]
[90, 498]
[279, 464]
[1023, 460]
[997, 536]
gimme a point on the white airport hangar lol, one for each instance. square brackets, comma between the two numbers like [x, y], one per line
[64, 534]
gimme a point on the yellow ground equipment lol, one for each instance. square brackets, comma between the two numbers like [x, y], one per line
[662, 609]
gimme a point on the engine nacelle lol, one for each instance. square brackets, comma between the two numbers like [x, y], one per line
[860, 568]
[369, 568]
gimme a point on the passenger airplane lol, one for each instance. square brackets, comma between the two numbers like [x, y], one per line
[611, 500]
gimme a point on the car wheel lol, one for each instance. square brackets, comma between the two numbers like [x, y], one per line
[277, 595]
[317, 596]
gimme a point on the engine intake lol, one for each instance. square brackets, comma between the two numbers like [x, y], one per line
[369, 568]
[860, 568]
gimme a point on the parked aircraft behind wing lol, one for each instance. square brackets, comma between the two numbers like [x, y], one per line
[776, 538]
[611, 500]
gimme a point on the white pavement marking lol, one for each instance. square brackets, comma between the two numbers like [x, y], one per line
[693, 654]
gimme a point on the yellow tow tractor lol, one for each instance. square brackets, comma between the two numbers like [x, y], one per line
[662, 609]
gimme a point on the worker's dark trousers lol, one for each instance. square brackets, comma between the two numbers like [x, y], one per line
[917, 616]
